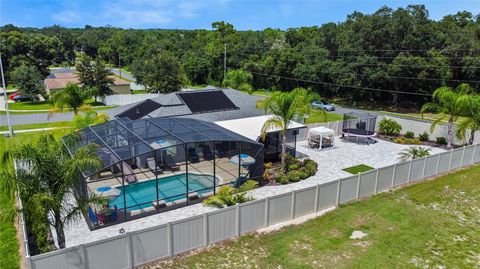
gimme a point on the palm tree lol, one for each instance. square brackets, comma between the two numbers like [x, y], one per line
[471, 120]
[414, 153]
[285, 106]
[88, 118]
[47, 186]
[449, 103]
[72, 97]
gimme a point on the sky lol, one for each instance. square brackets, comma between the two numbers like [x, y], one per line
[199, 14]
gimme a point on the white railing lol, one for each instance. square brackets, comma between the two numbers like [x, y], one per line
[166, 240]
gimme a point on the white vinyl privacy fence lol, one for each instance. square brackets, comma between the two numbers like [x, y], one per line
[163, 241]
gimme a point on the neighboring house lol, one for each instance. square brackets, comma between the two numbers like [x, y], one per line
[60, 80]
[208, 104]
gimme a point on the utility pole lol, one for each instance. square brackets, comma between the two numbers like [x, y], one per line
[119, 65]
[224, 59]
[10, 131]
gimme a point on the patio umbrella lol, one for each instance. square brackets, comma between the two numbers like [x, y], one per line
[243, 159]
[107, 191]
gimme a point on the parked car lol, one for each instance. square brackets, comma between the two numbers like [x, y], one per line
[23, 98]
[13, 95]
[323, 105]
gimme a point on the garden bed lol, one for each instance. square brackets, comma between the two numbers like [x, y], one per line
[294, 171]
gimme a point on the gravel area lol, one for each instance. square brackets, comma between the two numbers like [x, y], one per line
[330, 165]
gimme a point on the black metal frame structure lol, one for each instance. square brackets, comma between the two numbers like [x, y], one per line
[198, 151]
[359, 125]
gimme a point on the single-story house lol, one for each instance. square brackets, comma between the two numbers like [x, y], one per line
[60, 80]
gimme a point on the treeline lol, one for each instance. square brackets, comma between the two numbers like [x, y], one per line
[384, 56]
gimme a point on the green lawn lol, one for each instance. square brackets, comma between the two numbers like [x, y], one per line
[316, 116]
[358, 169]
[36, 126]
[429, 225]
[139, 91]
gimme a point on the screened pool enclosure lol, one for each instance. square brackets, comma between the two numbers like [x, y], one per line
[153, 165]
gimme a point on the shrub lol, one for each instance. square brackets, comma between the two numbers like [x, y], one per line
[248, 185]
[441, 140]
[293, 176]
[424, 136]
[407, 141]
[227, 196]
[389, 127]
[304, 173]
[409, 134]
[281, 178]
[293, 167]
[311, 166]
[268, 165]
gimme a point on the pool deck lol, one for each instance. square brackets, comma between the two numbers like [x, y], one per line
[330, 165]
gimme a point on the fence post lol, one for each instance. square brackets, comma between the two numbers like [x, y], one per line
[315, 206]
[409, 171]
[85, 256]
[450, 163]
[292, 211]
[170, 239]
[205, 229]
[474, 153]
[30, 264]
[358, 186]
[438, 163]
[267, 206]
[393, 176]
[376, 181]
[463, 156]
[130, 250]
[237, 208]
[338, 192]
[424, 167]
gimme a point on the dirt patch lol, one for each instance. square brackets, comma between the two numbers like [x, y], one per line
[363, 244]
[334, 233]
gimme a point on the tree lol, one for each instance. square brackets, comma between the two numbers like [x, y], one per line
[94, 75]
[471, 119]
[285, 107]
[413, 153]
[239, 79]
[448, 102]
[28, 80]
[159, 72]
[47, 187]
[88, 118]
[71, 97]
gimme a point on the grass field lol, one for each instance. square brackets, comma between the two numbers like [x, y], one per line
[429, 225]
[358, 169]
[36, 126]
[316, 116]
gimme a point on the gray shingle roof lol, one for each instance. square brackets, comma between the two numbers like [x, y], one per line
[172, 105]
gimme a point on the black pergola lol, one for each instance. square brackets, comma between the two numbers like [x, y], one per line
[169, 151]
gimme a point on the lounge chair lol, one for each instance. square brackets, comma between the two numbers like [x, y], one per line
[161, 204]
[153, 166]
[193, 196]
[207, 153]
[93, 217]
[193, 156]
[170, 164]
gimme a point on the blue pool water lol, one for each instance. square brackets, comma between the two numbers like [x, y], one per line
[141, 194]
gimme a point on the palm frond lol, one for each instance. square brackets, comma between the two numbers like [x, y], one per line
[271, 124]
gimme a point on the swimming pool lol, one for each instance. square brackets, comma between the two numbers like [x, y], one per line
[141, 194]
